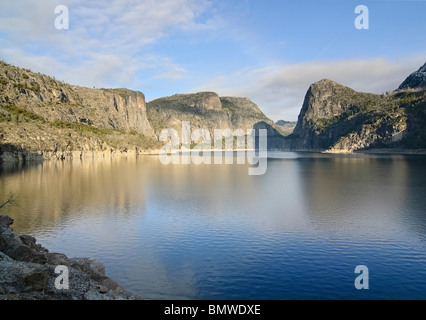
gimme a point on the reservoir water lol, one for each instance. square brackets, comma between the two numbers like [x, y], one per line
[214, 232]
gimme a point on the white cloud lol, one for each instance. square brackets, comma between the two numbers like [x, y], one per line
[112, 43]
[107, 42]
[279, 90]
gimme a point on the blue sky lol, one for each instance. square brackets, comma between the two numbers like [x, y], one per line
[269, 51]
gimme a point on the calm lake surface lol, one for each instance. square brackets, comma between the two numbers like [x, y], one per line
[214, 232]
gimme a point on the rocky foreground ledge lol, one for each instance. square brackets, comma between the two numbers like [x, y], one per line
[27, 272]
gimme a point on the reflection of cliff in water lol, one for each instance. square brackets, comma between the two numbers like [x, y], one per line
[207, 187]
[50, 191]
[12, 167]
[14, 153]
[416, 200]
[340, 191]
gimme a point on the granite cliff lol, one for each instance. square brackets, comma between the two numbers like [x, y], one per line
[207, 110]
[335, 118]
[41, 117]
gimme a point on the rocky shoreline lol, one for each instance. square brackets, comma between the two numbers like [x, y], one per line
[20, 156]
[395, 151]
[12, 154]
[27, 272]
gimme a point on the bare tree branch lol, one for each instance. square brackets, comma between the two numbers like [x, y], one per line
[10, 201]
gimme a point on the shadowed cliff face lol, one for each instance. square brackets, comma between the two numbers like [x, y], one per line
[336, 118]
[322, 101]
[326, 104]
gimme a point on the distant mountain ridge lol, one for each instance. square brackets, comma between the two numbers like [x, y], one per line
[286, 127]
[416, 80]
[283, 122]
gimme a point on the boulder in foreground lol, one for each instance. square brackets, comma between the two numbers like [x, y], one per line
[27, 272]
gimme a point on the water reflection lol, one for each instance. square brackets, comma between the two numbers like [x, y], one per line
[50, 191]
[360, 195]
[214, 232]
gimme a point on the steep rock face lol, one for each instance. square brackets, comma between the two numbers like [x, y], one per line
[335, 118]
[53, 100]
[417, 80]
[324, 100]
[43, 118]
[116, 108]
[325, 103]
[206, 110]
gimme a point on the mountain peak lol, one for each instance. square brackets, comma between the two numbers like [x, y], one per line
[325, 82]
[416, 80]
